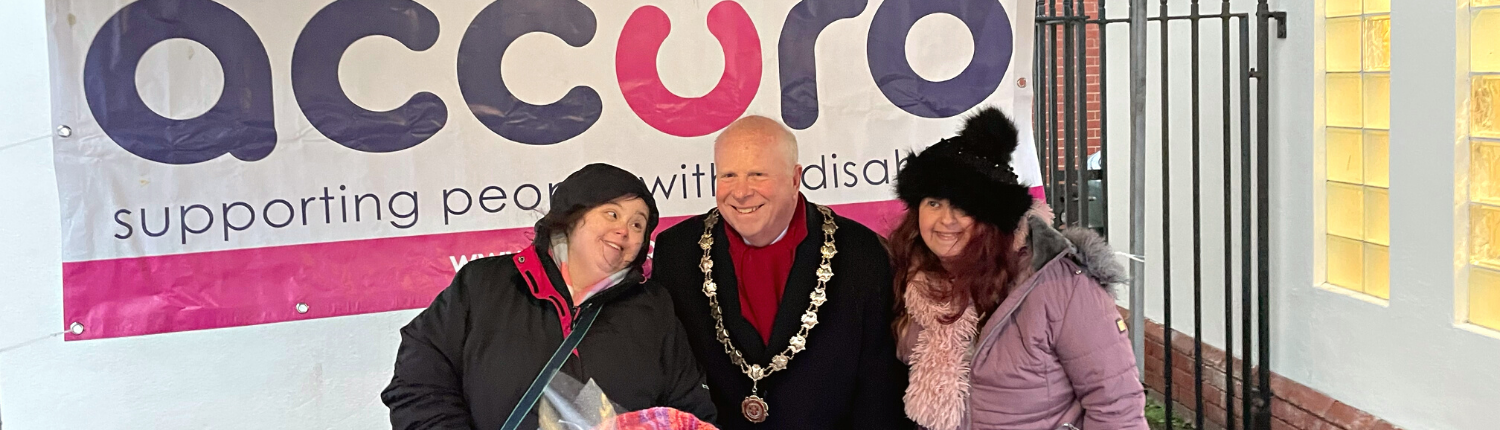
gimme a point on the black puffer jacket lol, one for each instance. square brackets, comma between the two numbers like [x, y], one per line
[466, 360]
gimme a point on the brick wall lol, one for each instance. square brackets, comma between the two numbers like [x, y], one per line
[1293, 405]
[1094, 110]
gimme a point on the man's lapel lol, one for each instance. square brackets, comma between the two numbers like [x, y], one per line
[800, 283]
[740, 331]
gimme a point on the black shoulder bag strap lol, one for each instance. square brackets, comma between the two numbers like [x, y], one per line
[581, 325]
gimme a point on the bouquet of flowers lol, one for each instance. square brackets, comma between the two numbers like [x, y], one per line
[567, 404]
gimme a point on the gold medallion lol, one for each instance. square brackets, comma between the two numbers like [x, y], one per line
[755, 409]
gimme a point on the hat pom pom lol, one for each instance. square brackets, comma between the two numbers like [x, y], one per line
[992, 132]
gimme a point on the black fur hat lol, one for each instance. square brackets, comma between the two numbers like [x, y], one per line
[972, 171]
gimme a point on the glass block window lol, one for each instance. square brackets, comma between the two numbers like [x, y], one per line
[1357, 91]
[1484, 163]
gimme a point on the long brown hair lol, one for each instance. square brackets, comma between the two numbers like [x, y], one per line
[979, 275]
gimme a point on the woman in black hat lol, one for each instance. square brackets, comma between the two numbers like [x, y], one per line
[467, 360]
[1005, 322]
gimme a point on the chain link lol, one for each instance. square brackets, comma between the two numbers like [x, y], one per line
[756, 372]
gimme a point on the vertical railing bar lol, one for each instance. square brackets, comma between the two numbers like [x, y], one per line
[1082, 191]
[1228, 390]
[1039, 133]
[1246, 223]
[1042, 87]
[1053, 189]
[1263, 183]
[1138, 51]
[1197, 225]
[1069, 174]
[1166, 213]
[1103, 122]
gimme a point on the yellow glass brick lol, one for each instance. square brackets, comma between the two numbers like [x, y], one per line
[1377, 221]
[1344, 98]
[1346, 210]
[1377, 44]
[1345, 155]
[1341, 46]
[1484, 106]
[1377, 6]
[1484, 235]
[1484, 172]
[1484, 41]
[1346, 266]
[1342, 7]
[1377, 101]
[1377, 271]
[1484, 298]
[1377, 160]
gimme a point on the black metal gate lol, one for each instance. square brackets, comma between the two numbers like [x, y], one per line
[1075, 165]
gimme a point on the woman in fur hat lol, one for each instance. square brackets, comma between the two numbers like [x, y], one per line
[1005, 322]
[466, 360]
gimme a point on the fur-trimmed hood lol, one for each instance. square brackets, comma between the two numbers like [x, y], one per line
[1089, 251]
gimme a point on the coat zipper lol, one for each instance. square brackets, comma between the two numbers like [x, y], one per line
[1034, 282]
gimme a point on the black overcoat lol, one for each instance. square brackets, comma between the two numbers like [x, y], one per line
[847, 378]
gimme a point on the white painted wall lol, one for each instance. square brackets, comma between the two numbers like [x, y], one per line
[1407, 360]
[324, 373]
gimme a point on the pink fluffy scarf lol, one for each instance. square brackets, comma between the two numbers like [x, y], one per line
[938, 393]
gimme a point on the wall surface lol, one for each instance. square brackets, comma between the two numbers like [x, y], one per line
[312, 374]
[1408, 360]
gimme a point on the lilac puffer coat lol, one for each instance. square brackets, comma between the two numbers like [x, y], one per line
[1054, 355]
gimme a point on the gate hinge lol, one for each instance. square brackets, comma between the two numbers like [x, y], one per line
[1280, 18]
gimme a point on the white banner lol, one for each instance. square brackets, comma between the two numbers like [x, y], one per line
[243, 162]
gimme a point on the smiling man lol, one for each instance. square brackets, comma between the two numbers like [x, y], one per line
[787, 305]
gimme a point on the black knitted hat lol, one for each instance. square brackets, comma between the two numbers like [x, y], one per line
[589, 187]
[972, 171]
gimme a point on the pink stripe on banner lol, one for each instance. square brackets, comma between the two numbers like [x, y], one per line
[171, 293]
[1039, 193]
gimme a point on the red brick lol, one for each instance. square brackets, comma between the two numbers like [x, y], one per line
[1212, 395]
[1182, 363]
[1214, 378]
[1153, 349]
[1182, 342]
[1154, 332]
[1154, 366]
[1213, 357]
[1235, 369]
[1277, 424]
[1347, 417]
[1183, 393]
[1214, 414]
[1306, 398]
[1180, 377]
[1291, 414]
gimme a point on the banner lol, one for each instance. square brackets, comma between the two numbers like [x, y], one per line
[243, 162]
